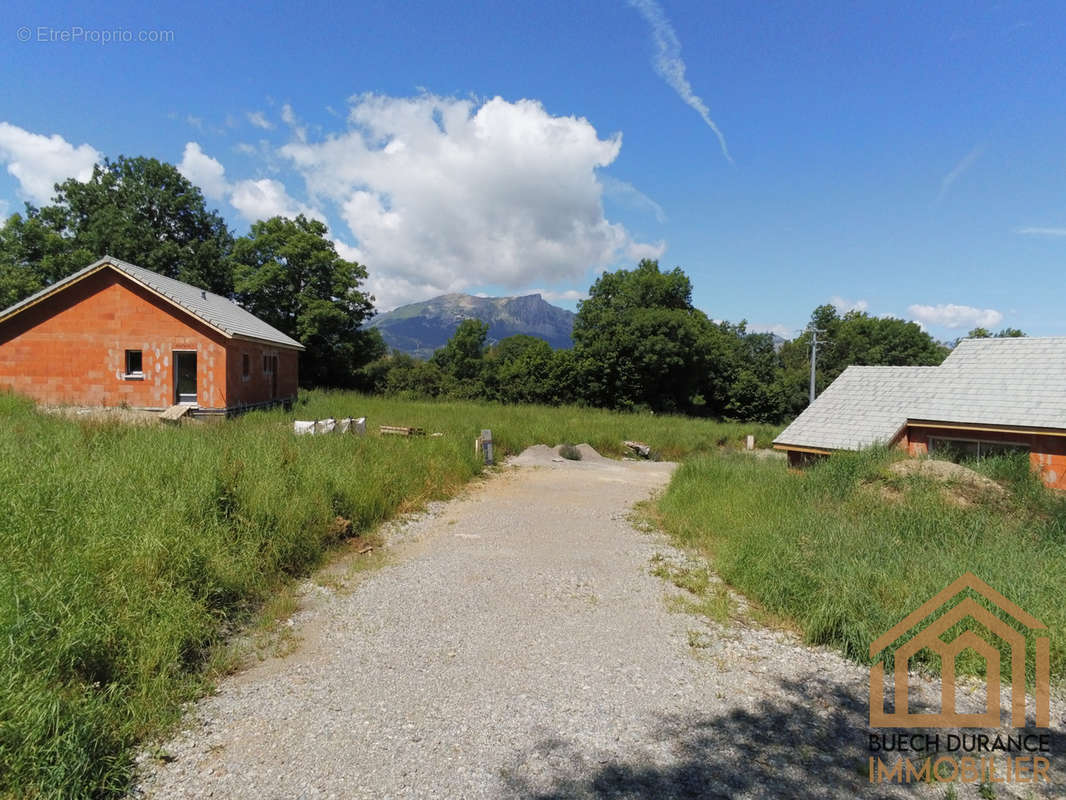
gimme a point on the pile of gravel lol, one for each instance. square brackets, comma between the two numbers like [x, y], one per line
[540, 455]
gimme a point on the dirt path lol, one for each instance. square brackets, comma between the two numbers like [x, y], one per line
[520, 647]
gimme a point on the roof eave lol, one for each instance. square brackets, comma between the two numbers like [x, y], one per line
[294, 346]
[115, 264]
[991, 427]
[49, 291]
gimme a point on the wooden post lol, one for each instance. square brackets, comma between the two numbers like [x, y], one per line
[750, 442]
[486, 446]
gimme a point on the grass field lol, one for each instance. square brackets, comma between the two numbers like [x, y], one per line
[846, 549]
[127, 553]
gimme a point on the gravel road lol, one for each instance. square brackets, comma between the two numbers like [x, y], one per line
[517, 646]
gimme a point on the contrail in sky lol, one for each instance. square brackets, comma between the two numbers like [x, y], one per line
[669, 65]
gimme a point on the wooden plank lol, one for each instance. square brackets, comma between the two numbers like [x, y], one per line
[921, 423]
[400, 430]
[175, 413]
[816, 450]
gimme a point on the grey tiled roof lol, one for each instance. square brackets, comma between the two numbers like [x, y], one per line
[863, 406]
[217, 311]
[1012, 382]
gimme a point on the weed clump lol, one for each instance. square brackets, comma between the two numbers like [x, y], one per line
[569, 452]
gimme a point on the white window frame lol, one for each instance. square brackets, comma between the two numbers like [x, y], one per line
[126, 374]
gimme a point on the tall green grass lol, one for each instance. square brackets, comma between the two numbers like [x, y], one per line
[846, 549]
[127, 552]
[515, 427]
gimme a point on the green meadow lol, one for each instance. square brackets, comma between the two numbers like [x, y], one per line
[130, 554]
[127, 553]
[846, 549]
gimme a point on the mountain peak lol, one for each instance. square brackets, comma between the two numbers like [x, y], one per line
[421, 328]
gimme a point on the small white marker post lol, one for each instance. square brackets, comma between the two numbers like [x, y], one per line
[750, 442]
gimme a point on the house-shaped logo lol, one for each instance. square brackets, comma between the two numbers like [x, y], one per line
[954, 610]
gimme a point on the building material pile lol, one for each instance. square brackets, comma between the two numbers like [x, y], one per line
[351, 425]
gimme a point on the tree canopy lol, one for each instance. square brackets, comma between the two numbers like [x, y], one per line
[854, 338]
[138, 209]
[639, 342]
[287, 272]
[985, 333]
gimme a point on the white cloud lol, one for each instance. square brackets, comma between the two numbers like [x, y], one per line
[288, 116]
[254, 199]
[843, 306]
[671, 67]
[204, 171]
[782, 330]
[625, 192]
[443, 194]
[959, 169]
[347, 251]
[266, 198]
[258, 118]
[39, 162]
[563, 296]
[390, 292]
[950, 315]
[636, 251]
[1053, 232]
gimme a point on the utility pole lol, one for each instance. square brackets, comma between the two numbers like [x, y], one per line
[814, 355]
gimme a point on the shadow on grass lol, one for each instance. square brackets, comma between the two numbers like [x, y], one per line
[809, 745]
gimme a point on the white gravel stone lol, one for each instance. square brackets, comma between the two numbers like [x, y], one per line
[518, 646]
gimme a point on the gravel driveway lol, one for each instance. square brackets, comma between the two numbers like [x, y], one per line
[518, 646]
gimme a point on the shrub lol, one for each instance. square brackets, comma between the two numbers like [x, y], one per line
[569, 452]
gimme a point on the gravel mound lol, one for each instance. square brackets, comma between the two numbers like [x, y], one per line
[537, 455]
[540, 455]
[946, 472]
[588, 453]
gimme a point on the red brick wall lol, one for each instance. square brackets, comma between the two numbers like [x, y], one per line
[1047, 454]
[257, 387]
[70, 349]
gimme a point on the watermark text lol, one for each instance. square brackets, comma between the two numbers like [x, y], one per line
[77, 34]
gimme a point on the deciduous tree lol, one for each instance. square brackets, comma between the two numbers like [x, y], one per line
[644, 345]
[287, 272]
[138, 209]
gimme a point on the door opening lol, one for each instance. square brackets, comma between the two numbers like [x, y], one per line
[185, 378]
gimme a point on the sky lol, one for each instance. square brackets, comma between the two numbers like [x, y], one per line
[899, 158]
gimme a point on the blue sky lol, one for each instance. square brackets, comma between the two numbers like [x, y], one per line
[902, 158]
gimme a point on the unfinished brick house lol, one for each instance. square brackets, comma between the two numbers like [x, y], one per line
[989, 396]
[117, 334]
